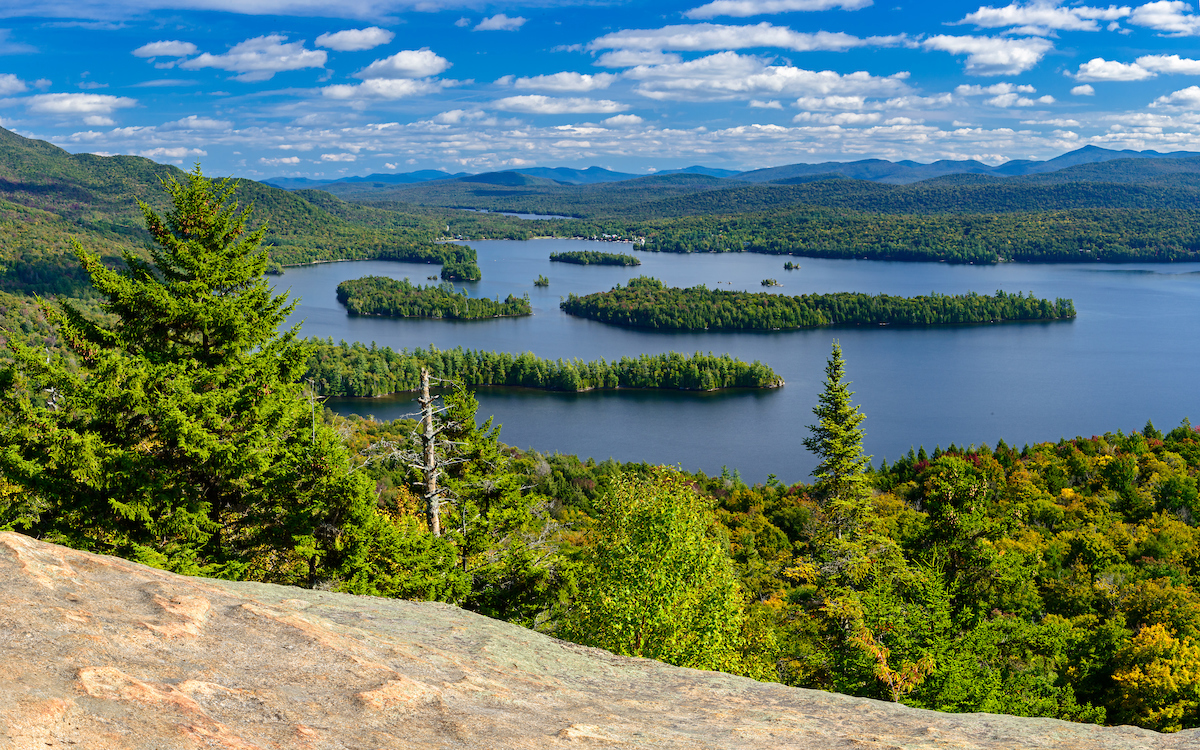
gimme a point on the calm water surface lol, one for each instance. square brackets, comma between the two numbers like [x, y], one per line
[1131, 355]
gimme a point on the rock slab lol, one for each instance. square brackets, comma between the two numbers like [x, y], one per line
[98, 652]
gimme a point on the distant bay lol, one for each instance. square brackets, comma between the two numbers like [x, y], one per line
[1130, 355]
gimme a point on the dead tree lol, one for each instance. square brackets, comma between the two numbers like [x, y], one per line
[430, 465]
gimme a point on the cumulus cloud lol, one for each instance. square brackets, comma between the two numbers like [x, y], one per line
[500, 22]
[566, 81]
[10, 84]
[456, 116]
[170, 48]
[82, 104]
[260, 58]
[1099, 69]
[279, 161]
[178, 152]
[702, 37]
[1042, 18]
[728, 75]
[841, 118]
[623, 121]
[537, 104]
[992, 56]
[355, 40]
[1057, 122]
[409, 63]
[338, 157]
[196, 122]
[382, 88]
[98, 121]
[1005, 95]
[1170, 64]
[769, 104]
[1170, 17]
[628, 58]
[744, 8]
[831, 102]
[1188, 98]
[1084, 90]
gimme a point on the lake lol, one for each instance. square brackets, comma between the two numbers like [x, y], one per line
[1131, 355]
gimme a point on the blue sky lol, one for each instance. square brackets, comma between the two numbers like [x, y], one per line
[329, 89]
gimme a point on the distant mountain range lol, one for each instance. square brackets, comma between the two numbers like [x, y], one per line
[873, 170]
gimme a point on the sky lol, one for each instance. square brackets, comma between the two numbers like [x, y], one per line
[318, 89]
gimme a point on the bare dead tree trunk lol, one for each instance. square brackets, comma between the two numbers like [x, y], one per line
[430, 460]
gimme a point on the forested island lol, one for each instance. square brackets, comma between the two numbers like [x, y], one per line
[594, 258]
[358, 370]
[646, 302]
[392, 298]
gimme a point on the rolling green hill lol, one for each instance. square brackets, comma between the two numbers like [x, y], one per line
[48, 196]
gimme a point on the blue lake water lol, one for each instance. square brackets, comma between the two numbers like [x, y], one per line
[1131, 355]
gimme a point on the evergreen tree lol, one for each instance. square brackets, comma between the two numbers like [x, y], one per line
[842, 487]
[182, 438]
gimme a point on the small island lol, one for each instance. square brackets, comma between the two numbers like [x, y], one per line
[541, 281]
[790, 266]
[379, 295]
[770, 282]
[646, 303]
[358, 370]
[594, 258]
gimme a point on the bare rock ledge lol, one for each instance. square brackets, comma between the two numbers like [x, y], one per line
[98, 652]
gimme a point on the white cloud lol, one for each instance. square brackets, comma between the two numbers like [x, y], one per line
[628, 58]
[260, 58]
[1170, 64]
[1042, 18]
[1171, 17]
[1188, 98]
[500, 22]
[728, 75]
[1016, 100]
[547, 105]
[567, 81]
[455, 116]
[409, 63]
[841, 118]
[1099, 69]
[744, 8]
[98, 121]
[701, 37]
[355, 40]
[1057, 122]
[10, 84]
[195, 122]
[382, 88]
[13, 48]
[623, 121]
[338, 157]
[280, 161]
[1084, 90]
[83, 104]
[172, 48]
[992, 56]
[178, 152]
[770, 104]
[996, 88]
[831, 102]
[462, 22]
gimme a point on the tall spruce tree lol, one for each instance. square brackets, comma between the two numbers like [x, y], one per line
[841, 487]
[178, 435]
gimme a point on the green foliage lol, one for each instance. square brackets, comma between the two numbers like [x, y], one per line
[541, 281]
[181, 438]
[591, 257]
[359, 370]
[656, 583]
[644, 302]
[380, 295]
